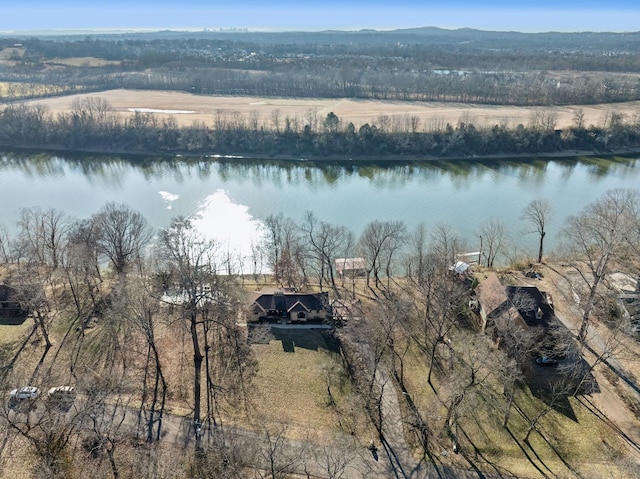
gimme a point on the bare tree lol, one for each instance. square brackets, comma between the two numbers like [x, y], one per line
[518, 343]
[336, 458]
[50, 433]
[82, 269]
[556, 394]
[325, 242]
[293, 256]
[43, 233]
[416, 260]
[37, 294]
[107, 405]
[379, 243]
[189, 261]
[493, 234]
[123, 234]
[273, 240]
[438, 295]
[578, 118]
[538, 214]
[275, 119]
[6, 245]
[134, 301]
[208, 304]
[472, 367]
[277, 458]
[598, 237]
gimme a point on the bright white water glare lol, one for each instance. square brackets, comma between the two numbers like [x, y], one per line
[230, 224]
[168, 198]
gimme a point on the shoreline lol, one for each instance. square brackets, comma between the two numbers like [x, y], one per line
[623, 152]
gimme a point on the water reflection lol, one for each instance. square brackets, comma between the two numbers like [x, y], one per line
[388, 174]
[462, 193]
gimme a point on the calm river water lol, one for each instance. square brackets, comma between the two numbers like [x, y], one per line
[230, 198]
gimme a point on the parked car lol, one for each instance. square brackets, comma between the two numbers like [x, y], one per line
[61, 397]
[534, 274]
[546, 361]
[23, 395]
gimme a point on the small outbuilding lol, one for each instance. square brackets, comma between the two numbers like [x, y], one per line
[351, 267]
[460, 268]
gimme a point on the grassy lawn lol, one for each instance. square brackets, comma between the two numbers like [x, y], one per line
[573, 441]
[13, 331]
[291, 384]
[13, 334]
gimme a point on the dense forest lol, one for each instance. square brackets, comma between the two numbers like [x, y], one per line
[427, 64]
[93, 126]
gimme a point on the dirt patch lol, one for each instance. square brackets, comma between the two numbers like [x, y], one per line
[273, 112]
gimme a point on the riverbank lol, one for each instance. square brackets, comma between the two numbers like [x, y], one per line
[334, 158]
[326, 139]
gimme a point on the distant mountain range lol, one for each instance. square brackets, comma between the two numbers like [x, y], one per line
[462, 38]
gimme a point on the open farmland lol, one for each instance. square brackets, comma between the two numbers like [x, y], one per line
[188, 108]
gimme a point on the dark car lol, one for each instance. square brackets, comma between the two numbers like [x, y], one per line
[546, 361]
[534, 274]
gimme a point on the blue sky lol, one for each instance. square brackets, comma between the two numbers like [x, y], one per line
[543, 15]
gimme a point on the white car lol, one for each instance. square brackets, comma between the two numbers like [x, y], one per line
[61, 391]
[61, 397]
[23, 394]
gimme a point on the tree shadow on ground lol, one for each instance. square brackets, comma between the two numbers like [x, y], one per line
[499, 471]
[588, 403]
[6, 350]
[553, 385]
[559, 403]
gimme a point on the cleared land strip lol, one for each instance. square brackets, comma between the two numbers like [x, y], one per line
[272, 112]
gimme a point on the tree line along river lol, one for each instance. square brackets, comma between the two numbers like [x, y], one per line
[230, 198]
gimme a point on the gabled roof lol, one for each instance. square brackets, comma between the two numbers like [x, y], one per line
[531, 304]
[526, 302]
[291, 302]
[296, 308]
[491, 294]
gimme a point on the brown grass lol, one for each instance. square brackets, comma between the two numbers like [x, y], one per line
[12, 333]
[431, 114]
[290, 387]
[82, 62]
[587, 444]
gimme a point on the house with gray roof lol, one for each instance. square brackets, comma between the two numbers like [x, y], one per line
[290, 307]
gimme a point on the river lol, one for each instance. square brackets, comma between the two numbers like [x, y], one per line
[230, 198]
